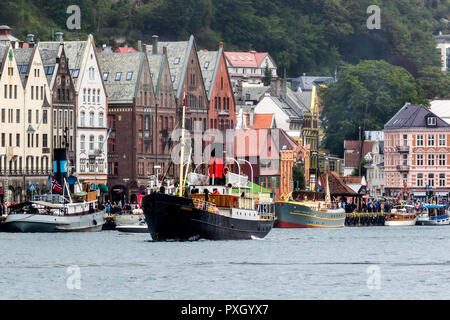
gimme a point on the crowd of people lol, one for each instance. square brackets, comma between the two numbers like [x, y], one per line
[117, 206]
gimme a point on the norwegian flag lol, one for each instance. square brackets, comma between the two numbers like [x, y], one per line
[55, 184]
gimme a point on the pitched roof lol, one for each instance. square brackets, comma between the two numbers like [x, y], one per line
[23, 60]
[251, 59]
[263, 121]
[48, 58]
[123, 75]
[177, 54]
[413, 116]
[156, 64]
[254, 93]
[337, 185]
[3, 53]
[75, 52]
[351, 151]
[124, 50]
[306, 83]
[209, 62]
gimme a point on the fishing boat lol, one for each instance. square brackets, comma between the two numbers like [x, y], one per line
[433, 215]
[205, 211]
[309, 210]
[59, 211]
[402, 215]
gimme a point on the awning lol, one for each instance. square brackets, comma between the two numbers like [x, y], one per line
[442, 194]
[103, 188]
[420, 194]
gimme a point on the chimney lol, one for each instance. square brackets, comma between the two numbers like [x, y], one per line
[30, 38]
[154, 44]
[139, 45]
[252, 117]
[5, 30]
[59, 37]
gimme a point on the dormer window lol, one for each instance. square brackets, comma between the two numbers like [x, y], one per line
[118, 76]
[431, 121]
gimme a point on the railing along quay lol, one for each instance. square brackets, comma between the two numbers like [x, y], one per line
[362, 219]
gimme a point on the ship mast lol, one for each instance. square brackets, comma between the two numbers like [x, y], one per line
[182, 146]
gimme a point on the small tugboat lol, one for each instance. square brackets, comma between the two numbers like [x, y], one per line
[309, 210]
[209, 212]
[433, 215]
[59, 211]
[400, 216]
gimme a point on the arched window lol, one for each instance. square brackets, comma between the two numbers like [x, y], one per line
[91, 143]
[91, 118]
[82, 142]
[82, 118]
[100, 119]
[100, 142]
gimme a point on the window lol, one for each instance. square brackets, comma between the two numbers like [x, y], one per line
[129, 76]
[111, 145]
[54, 118]
[37, 116]
[82, 143]
[100, 142]
[105, 76]
[177, 60]
[100, 119]
[442, 140]
[419, 160]
[118, 76]
[206, 65]
[91, 119]
[44, 140]
[419, 140]
[82, 118]
[17, 139]
[89, 95]
[442, 180]
[29, 116]
[17, 115]
[75, 73]
[44, 117]
[431, 139]
[441, 158]
[84, 95]
[431, 121]
[431, 159]
[98, 95]
[91, 143]
[431, 179]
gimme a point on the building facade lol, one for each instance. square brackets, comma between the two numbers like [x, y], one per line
[222, 104]
[443, 47]
[416, 154]
[92, 108]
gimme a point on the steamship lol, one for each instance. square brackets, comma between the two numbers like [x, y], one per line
[60, 210]
[211, 211]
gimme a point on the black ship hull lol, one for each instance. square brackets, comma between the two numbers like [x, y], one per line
[176, 218]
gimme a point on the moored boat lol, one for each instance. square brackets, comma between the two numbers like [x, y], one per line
[139, 227]
[309, 210]
[433, 215]
[60, 211]
[402, 215]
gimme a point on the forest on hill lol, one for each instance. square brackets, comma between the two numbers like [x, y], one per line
[303, 36]
[378, 69]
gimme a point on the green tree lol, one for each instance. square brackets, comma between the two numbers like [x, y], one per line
[298, 178]
[365, 96]
[267, 76]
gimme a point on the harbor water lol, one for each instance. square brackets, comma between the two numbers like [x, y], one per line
[346, 263]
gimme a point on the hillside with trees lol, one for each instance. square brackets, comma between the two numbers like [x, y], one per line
[323, 37]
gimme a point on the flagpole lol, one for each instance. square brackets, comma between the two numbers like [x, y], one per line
[182, 146]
